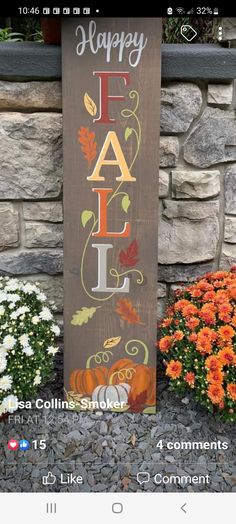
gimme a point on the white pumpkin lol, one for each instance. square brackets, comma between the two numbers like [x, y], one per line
[107, 394]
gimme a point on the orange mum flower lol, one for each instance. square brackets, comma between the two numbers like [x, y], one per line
[208, 296]
[233, 320]
[180, 304]
[189, 310]
[215, 393]
[174, 369]
[212, 363]
[221, 296]
[166, 322]
[192, 337]
[192, 322]
[190, 378]
[165, 343]
[226, 332]
[227, 356]
[194, 292]
[232, 291]
[231, 388]
[204, 340]
[215, 377]
[178, 335]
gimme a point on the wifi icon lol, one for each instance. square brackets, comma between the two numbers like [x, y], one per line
[180, 10]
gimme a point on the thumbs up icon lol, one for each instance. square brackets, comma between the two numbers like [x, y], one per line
[49, 479]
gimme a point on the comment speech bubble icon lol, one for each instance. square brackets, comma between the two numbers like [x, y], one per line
[143, 477]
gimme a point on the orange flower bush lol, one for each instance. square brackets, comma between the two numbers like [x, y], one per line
[198, 342]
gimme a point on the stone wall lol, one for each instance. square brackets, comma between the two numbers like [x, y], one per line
[197, 230]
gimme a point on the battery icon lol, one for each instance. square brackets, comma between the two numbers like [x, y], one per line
[215, 11]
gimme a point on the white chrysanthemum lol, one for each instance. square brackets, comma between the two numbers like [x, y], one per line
[22, 309]
[9, 342]
[24, 340]
[5, 383]
[2, 310]
[29, 288]
[13, 297]
[45, 314]
[3, 296]
[42, 297]
[28, 351]
[12, 285]
[37, 380]
[35, 320]
[10, 403]
[14, 315]
[3, 363]
[55, 329]
[52, 350]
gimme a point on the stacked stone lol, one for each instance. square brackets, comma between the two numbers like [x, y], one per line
[31, 232]
[197, 182]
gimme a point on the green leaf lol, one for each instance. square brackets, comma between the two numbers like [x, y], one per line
[125, 203]
[128, 132]
[85, 216]
[150, 411]
[83, 315]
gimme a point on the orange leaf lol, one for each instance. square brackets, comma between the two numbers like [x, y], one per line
[127, 312]
[88, 144]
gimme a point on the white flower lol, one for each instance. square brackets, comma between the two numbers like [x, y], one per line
[13, 297]
[10, 403]
[35, 319]
[42, 297]
[3, 363]
[21, 310]
[3, 296]
[28, 351]
[12, 305]
[45, 314]
[24, 340]
[12, 285]
[2, 310]
[37, 380]
[51, 350]
[5, 382]
[9, 342]
[55, 329]
[2, 409]
[14, 315]
[29, 288]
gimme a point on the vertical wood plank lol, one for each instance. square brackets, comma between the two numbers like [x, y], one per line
[129, 49]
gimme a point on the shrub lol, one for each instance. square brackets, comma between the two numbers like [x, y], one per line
[27, 336]
[198, 342]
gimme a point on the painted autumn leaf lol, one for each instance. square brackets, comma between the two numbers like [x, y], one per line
[137, 404]
[125, 309]
[129, 258]
[90, 104]
[83, 315]
[85, 216]
[125, 202]
[111, 342]
[88, 144]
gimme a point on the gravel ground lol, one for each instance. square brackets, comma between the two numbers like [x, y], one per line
[108, 450]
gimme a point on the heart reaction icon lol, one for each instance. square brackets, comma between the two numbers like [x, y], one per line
[13, 444]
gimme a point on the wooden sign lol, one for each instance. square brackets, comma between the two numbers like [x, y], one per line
[111, 98]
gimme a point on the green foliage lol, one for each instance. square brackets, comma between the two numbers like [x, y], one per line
[7, 35]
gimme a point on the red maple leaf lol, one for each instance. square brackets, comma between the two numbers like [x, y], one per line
[129, 258]
[137, 404]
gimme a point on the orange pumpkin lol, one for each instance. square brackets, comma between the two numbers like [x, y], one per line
[143, 378]
[84, 381]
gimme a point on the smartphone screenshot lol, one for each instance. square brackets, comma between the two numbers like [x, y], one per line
[117, 263]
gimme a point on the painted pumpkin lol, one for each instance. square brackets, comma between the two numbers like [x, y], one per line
[84, 381]
[111, 393]
[140, 377]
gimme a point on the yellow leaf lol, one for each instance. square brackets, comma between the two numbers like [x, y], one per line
[111, 342]
[90, 105]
